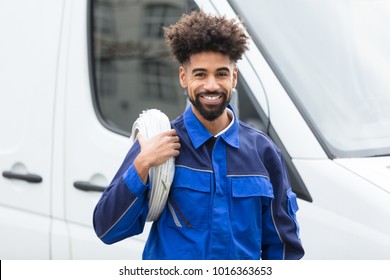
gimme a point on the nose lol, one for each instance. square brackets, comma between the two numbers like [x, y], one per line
[211, 84]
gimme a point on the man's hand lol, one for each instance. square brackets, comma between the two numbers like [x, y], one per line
[155, 151]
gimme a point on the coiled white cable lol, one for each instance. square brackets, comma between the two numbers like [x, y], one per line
[150, 123]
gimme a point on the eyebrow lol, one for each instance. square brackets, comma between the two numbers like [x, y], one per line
[205, 70]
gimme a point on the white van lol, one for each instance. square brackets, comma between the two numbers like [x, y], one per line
[75, 74]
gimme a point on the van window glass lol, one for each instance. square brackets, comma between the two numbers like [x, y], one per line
[333, 57]
[132, 68]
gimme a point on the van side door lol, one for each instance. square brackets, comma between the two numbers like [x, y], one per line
[30, 34]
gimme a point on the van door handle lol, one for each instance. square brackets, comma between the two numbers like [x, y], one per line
[31, 178]
[86, 186]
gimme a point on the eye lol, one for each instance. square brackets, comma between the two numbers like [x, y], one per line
[222, 74]
[200, 75]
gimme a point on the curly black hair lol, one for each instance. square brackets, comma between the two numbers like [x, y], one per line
[197, 32]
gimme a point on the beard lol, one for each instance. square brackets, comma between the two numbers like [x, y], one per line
[210, 112]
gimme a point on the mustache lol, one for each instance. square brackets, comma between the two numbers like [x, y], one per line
[220, 92]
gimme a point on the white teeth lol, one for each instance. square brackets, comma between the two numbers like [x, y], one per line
[211, 97]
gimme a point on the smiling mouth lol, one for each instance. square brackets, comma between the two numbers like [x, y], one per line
[211, 97]
[210, 105]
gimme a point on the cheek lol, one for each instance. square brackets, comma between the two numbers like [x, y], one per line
[229, 96]
[191, 92]
[193, 88]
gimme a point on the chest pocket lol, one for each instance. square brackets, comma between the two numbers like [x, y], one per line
[189, 198]
[251, 186]
[251, 196]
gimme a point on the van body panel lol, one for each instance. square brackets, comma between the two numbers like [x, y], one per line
[29, 56]
[24, 235]
[375, 170]
[348, 216]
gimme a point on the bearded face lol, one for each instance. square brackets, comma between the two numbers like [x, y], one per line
[209, 78]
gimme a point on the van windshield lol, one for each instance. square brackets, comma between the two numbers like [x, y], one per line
[333, 57]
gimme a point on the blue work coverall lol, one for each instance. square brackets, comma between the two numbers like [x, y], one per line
[232, 200]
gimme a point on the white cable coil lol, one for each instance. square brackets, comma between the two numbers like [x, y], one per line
[150, 123]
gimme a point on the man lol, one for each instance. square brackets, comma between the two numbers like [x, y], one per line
[230, 197]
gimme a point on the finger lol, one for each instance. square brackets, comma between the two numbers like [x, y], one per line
[176, 139]
[176, 146]
[176, 153]
[170, 132]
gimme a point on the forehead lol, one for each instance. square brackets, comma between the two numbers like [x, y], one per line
[209, 61]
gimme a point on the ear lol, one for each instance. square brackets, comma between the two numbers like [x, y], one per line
[235, 77]
[183, 77]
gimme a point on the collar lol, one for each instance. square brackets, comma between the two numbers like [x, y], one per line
[199, 134]
[231, 115]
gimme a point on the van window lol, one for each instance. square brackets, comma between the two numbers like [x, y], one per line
[332, 57]
[132, 69]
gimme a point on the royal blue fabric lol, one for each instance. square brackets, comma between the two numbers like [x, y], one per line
[235, 203]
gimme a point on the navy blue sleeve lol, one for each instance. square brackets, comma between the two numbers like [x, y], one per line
[122, 209]
[280, 227]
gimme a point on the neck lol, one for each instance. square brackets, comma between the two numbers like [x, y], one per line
[215, 126]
